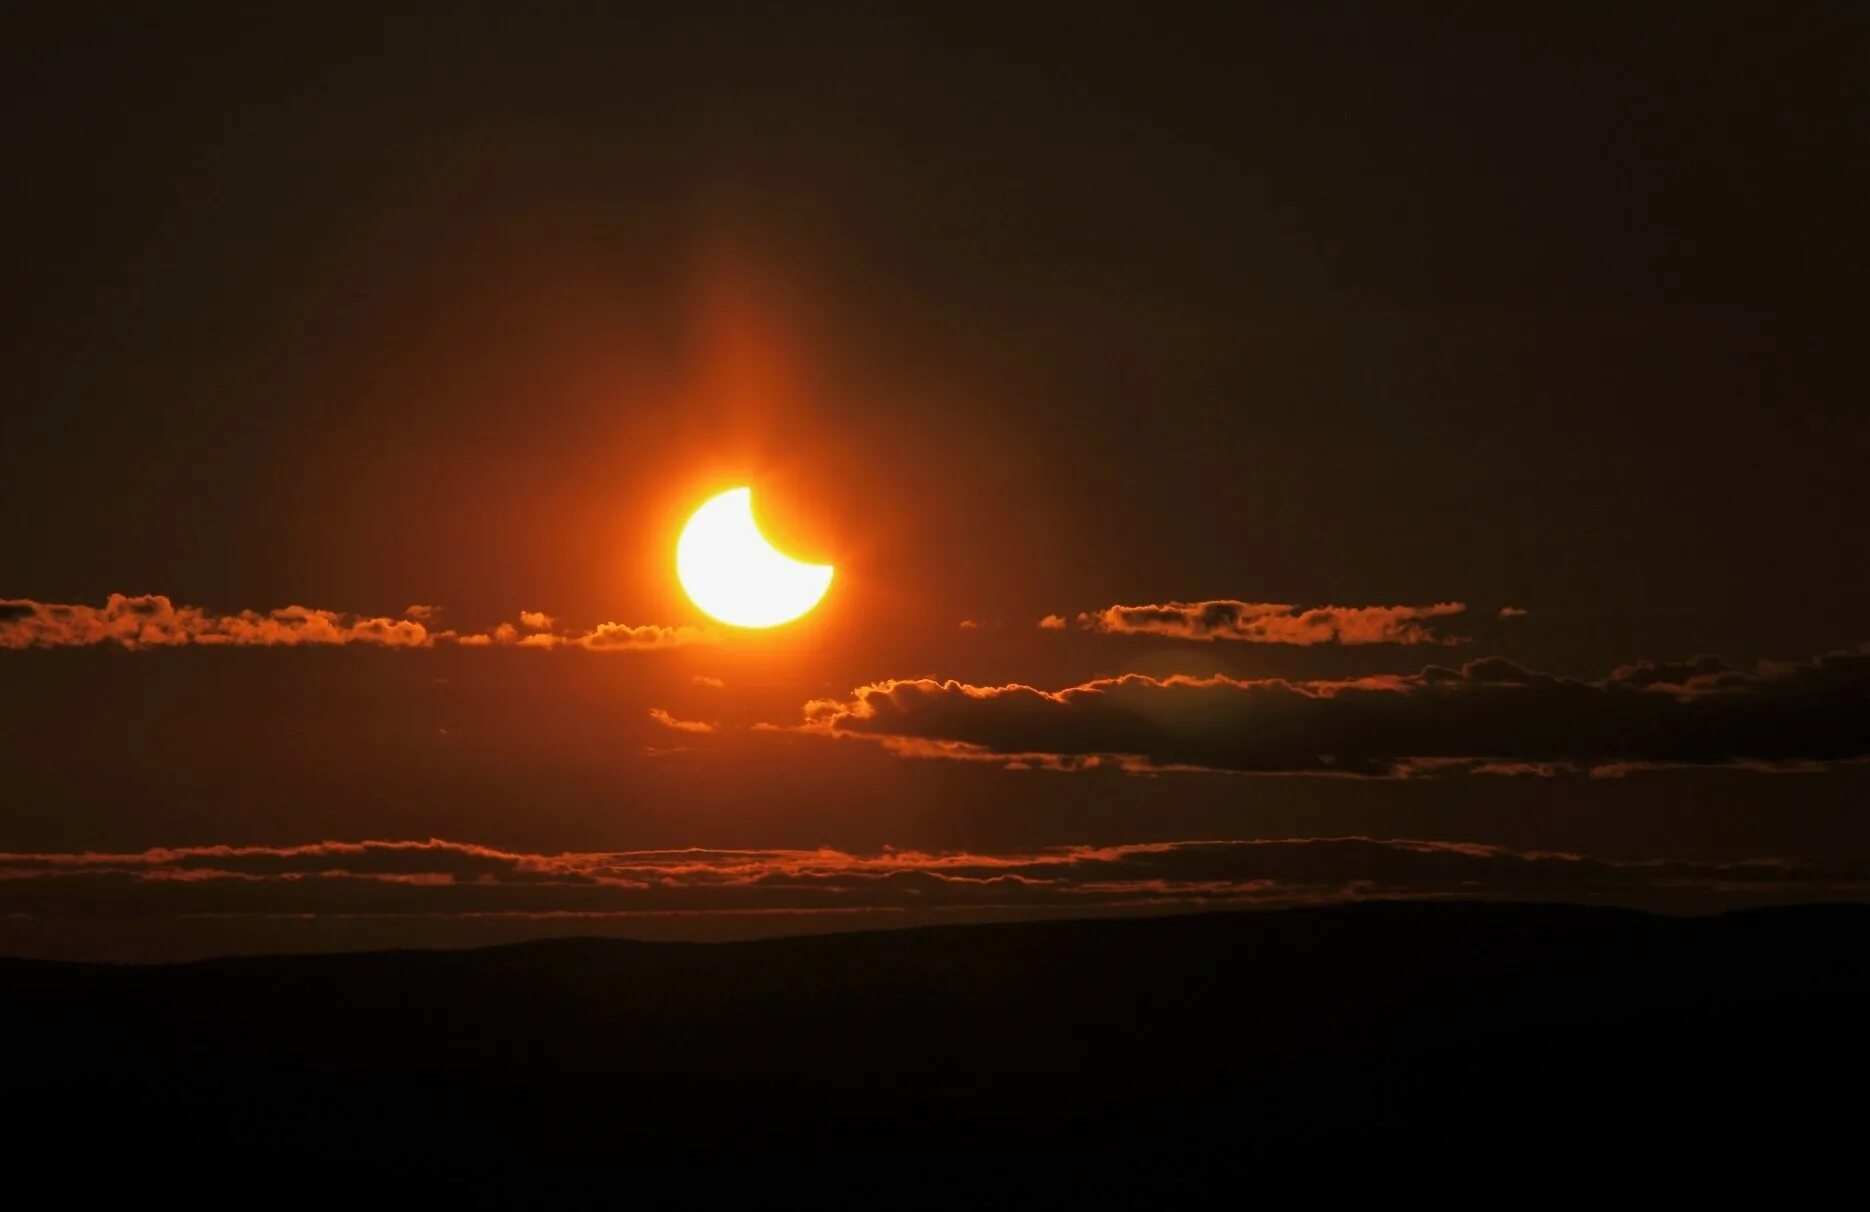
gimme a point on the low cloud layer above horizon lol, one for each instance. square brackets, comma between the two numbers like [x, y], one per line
[437, 877]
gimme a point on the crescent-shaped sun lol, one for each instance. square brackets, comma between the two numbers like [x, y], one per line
[729, 569]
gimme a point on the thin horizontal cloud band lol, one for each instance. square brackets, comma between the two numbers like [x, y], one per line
[154, 621]
[1274, 622]
[1489, 716]
[438, 877]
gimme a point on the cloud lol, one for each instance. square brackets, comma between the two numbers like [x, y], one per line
[1512, 612]
[1053, 622]
[621, 637]
[440, 878]
[1487, 717]
[668, 721]
[605, 637]
[1274, 622]
[154, 621]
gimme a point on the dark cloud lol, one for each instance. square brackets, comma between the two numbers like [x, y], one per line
[1274, 622]
[452, 878]
[154, 621]
[1489, 716]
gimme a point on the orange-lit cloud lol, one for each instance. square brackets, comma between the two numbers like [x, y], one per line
[154, 621]
[668, 721]
[620, 637]
[1053, 622]
[1487, 717]
[1274, 622]
[438, 877]
[605, 637]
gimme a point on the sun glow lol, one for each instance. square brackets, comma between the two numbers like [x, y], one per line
[734, 575]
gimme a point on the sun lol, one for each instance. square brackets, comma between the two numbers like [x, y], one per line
[734, 575]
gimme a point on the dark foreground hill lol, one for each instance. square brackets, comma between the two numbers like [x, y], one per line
[1150, 1062]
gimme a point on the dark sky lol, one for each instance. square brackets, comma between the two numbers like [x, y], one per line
[1007, 315]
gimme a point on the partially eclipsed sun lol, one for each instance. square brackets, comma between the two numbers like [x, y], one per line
[735, 575]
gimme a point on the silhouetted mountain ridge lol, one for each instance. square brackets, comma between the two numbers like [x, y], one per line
[1199, 1047]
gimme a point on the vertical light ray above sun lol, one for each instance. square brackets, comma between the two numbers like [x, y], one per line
[734, 575]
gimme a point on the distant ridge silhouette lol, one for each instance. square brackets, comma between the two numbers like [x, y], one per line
[1111, 1061]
